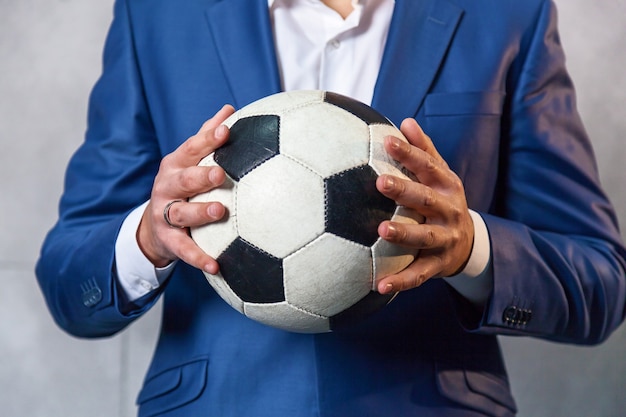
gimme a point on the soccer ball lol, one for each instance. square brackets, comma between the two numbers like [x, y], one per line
[299, 248]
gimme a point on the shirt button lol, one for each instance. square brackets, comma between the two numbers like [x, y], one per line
[335, 43]
[145, 285]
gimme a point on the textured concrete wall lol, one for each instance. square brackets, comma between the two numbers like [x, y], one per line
[49, 58]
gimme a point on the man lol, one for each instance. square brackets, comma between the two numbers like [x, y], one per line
[518, 229]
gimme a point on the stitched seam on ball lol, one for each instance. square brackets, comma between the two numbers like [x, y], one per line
[304, 310]
[371, 148]
[236, 205]
[303, 104]
[316, 238]
[263, 251]
[374, 269]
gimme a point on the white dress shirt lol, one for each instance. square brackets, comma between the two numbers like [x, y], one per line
[317, 50]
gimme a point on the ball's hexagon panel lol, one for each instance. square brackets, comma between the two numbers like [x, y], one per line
[255, 276]
[354, 207]
[330, 143]
[277, 104]
[280, 206]
[379, 158]
[328, 275]
[252, 141]
[390, 258]
[216, 237]
[221, 287]
[287, 317]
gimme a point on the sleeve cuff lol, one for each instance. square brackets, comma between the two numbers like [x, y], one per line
[136, 275]
[475, 282]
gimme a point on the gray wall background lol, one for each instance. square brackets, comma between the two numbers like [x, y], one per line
[49, 59]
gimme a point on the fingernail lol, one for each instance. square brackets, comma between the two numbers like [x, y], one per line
[210, 269]
[394, 142]
[220, 132]
[214, 210]
[386, 289]
[392, 231]
[213, 176]
[389, 183]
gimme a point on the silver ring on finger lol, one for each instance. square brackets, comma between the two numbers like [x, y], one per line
[166, 214]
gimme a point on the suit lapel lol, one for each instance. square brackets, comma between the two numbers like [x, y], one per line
[419, 36]
[243, 38]
[418, 39]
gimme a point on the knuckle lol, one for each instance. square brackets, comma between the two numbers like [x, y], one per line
[456, 213]
[429, 238]
[429, 199]
[186, 181]
[188, 146]
[158, 188]
[430, 164]
[457, 184]
[167, 162]
[176, 214]
[418, 279]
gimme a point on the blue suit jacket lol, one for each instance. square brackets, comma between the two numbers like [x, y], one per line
[487, 82]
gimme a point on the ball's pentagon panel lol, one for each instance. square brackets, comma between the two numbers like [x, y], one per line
[255, 276]
[360, 110]
[354, 207]
[252, 141]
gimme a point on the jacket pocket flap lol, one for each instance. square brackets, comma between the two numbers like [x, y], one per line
[485, 102]
[488, 394]
[173, 388]
[491, 387]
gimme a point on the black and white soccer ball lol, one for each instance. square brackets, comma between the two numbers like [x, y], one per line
[299, 248]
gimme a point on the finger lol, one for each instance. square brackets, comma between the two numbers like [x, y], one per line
[187, 182]
[211, 136]
[219, 118]
[184, 214]
[423, 198]
[419, 236]
[416, 137]
[187, 251]
[420, 271]
[427, 168]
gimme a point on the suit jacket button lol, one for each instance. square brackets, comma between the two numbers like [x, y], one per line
[92, 294]
[511, 315]
[526, 316]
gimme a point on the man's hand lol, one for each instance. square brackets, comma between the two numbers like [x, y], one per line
[179, 178]
[446, 237]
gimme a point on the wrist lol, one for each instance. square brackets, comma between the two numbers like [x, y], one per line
[146, 241]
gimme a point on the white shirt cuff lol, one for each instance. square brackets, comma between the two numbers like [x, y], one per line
[136, 275]
[475, 281]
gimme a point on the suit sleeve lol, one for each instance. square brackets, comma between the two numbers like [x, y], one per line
[109, 175]
[558, 258]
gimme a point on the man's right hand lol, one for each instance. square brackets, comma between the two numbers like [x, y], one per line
[178, 179]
